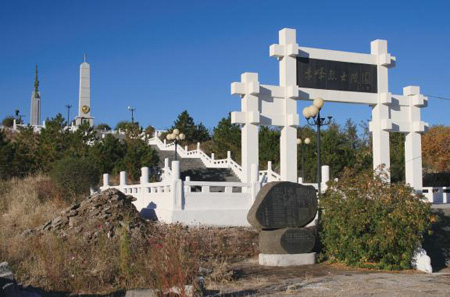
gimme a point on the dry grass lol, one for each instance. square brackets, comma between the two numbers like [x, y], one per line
[170, 257]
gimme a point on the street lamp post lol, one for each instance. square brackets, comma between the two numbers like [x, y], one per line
[175, 136]
[312, 115]
[306, 141]
[132, 109]
[68, 106]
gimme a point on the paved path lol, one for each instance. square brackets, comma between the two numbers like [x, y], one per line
[330, 280]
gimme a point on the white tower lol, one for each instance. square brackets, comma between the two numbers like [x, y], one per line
[84, 100]
[35, 117]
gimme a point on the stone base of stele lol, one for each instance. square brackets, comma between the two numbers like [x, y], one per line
[287, 259]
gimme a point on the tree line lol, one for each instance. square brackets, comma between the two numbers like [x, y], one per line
[342, 146]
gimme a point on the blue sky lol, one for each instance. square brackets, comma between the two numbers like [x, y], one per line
[166, 56]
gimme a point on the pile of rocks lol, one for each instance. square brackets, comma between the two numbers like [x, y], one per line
[104, 212]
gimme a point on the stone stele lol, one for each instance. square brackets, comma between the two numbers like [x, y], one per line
[283, 205]
[287, 241]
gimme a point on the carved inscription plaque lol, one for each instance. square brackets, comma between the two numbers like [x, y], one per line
[335, 75]
[282, 205]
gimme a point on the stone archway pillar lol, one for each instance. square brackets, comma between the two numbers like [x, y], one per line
[381, 123]
[249, 117]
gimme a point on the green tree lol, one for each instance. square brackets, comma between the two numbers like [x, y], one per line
[185, 123]
[6, 157]
[53, 142]
[103, 127]
[397, 149]
[150, 130]
[227, 137]
[201, 133]
[25, 159]
[80, 141]
[138, 154]
[108, 152]
[269, 146]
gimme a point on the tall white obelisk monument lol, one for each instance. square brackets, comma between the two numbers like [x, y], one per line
[35, 116]
[84, 99]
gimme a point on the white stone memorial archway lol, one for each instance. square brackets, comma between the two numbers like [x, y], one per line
[368, 84]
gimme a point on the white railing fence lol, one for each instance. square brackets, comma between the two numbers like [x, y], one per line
[189, 202]
[437, 195]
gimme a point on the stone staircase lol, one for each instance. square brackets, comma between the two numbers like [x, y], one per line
[195, 169]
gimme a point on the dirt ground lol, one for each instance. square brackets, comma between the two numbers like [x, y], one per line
[329, 280]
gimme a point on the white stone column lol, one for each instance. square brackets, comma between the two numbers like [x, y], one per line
[177, 186]
[286, 52]
[123, 178]
[105, 180]
[144, 175]
[248, 89]
[381, 123]
[413, 139]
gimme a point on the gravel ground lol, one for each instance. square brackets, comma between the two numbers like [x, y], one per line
[330, 280]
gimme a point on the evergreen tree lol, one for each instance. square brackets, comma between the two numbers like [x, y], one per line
[227, 137]
[397, 150]
[269, 146]
[185, 124]
[25, 159]
[107, 153]
[103, 127]
[53, 142]
[6, 157]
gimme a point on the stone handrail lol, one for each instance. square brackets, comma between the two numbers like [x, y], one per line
[208, 161]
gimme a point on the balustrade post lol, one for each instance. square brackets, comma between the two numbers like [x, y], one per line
[187, 188]
[325, 176]
[144, 175]
[255, 186]
[123, 178]
[105, 179]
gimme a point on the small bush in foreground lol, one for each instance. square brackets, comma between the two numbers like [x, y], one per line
[75, 176]
[368, 222]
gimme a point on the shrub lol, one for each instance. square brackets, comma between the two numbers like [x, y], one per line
[75, 176]
[8, 121]
[368, 222]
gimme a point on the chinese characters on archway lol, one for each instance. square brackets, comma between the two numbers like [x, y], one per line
[333, 75]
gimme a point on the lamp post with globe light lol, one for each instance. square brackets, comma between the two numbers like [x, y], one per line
[132, 109]
[306, 141]
[312, 115]
[175, 136]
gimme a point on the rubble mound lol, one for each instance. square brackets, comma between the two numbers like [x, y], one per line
[105, 212]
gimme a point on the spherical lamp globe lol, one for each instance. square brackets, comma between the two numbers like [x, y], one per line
[318, 102]
[307, 141]
[176, 131]
[169, 136]
[306, 113]
[182, 136]
[299, 141]
[313, 110]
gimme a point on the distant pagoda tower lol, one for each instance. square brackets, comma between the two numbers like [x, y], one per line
[84, 99]
[35, 117]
